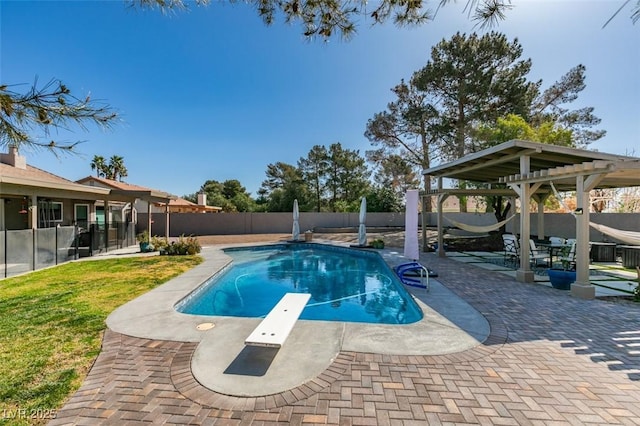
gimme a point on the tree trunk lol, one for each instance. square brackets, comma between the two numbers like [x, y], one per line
[427, 187]
[500, 212]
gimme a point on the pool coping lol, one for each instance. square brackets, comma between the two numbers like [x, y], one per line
[449, 325]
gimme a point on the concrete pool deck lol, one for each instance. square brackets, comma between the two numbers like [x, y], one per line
[223, 364]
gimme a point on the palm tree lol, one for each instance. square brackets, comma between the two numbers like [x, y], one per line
[117, 168]
[99, 165]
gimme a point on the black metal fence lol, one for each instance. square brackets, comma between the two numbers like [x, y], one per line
[27, 250]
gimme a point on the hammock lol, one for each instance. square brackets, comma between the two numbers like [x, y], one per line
[629, 237]
[555, 192]
[479, 229]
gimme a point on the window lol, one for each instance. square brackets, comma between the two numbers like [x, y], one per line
[49, 213]
[82, 215]
[55, 212]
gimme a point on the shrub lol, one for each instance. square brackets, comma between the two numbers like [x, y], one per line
[184, 245]
[377, 243]
[143, 237]
[159, 243]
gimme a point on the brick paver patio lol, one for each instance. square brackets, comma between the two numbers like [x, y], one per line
[550, 359]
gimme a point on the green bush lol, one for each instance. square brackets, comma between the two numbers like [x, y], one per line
[377, 243]
[184, 245]
[143, 237]
[159, 243]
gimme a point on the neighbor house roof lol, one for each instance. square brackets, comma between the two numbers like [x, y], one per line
[180, 205]
[128, 190]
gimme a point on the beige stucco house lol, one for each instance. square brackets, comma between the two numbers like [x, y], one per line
[32, 198]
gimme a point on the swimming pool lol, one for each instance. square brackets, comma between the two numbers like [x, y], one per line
[345, 285]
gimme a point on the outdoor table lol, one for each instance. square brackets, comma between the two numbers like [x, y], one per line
[630, 256]
[553, 249]
[603, 252]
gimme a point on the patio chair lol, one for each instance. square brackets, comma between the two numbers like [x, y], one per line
[556, 240]
[538, 257]
[511, 249]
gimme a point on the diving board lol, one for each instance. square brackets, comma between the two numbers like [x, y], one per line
[276, 326]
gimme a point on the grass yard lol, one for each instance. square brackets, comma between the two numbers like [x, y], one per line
[51, 324]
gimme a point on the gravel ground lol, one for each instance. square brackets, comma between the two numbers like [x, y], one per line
[391, 239]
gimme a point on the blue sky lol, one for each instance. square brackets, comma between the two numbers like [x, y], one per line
[215, 94]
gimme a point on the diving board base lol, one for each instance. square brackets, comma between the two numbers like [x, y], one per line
[274, 329]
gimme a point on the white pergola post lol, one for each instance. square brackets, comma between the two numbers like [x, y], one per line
[525, 191]
[441, 200]
[423, 221]
[439, 218]
[582, 287]
[524, 274]
[540, 200]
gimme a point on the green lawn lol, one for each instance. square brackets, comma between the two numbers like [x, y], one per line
[51, 324]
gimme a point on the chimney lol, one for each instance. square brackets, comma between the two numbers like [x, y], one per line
[13, 158]
[202, 199]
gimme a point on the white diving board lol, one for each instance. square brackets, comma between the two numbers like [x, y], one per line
[276, 326]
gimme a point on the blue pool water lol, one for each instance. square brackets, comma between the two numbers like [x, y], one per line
[345, 285]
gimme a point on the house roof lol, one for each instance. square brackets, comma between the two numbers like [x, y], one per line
[181, 202]
[502, 164]
[127, 190]
[17, 181]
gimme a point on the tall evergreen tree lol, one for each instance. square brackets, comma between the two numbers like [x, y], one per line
[347, 177]
[283, 185]
[314, 169]
[237, 195]
[47, 108]
[325, 18]
[406, 129]
[471, 80]
[549, 106]
[396, 174]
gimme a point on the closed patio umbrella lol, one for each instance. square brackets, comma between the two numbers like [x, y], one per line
[411, 250]
[296, 225]
[362, 229]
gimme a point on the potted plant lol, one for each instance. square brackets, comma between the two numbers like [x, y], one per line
[562, 277]
[144, 241]
[378, 243]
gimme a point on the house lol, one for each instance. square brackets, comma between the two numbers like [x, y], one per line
[140, 198]
[32, 198]
[180, 205]
[46, 219]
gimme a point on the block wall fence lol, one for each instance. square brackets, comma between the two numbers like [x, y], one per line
[556, 224]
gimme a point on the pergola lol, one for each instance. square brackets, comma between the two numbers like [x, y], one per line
[528, 170]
